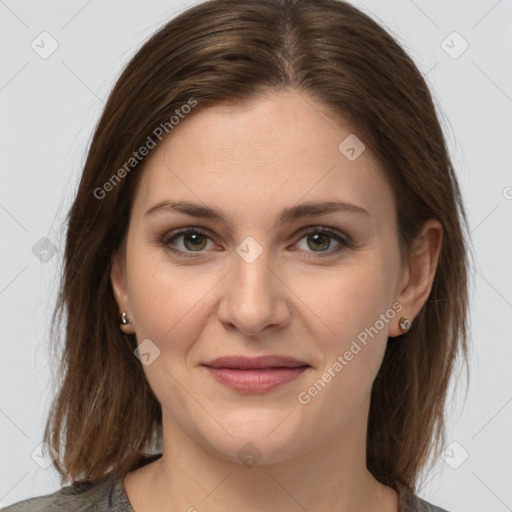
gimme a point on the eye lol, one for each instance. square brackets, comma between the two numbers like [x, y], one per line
[194, 240]
[321, 238]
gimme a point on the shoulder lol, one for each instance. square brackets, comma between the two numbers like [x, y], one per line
[84, 497]
[425, 506]
[410, 502]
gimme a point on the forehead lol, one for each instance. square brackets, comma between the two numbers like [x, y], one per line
[273, 150]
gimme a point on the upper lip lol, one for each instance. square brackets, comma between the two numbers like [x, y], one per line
[247, 363]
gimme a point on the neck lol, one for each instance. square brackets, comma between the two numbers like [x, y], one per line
[193, 478]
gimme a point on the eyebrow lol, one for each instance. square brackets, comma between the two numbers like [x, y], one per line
[288, 214]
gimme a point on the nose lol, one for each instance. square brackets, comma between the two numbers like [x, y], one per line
[255, 297]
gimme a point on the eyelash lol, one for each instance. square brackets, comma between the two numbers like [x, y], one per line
[172, 235]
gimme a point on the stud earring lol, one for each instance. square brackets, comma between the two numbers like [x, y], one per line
[124, 319]
[405, 324]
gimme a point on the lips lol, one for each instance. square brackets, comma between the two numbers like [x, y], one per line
[255, 374]
[249, 363]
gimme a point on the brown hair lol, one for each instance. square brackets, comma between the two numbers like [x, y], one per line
[105, 415]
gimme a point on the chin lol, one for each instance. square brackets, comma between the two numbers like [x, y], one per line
[257, 438]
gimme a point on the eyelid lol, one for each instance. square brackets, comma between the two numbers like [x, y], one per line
[343, 240]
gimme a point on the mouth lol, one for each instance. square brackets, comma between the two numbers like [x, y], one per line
[255, 375]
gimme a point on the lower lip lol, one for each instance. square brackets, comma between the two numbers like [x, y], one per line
[255, 380]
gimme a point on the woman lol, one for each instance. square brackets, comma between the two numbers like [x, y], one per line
[265, 273]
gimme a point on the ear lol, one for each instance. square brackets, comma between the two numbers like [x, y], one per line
[418, 275]
[120, 289]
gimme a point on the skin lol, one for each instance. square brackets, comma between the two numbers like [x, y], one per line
[251, 160]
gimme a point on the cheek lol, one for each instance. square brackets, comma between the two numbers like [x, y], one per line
[347, 301]
[352, 313]
[352, 346]
[167, 302]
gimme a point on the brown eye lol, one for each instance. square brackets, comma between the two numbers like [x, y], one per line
[193, 240]
[320, 240]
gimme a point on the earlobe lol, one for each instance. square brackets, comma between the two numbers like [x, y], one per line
[120, 290]
[420, 273]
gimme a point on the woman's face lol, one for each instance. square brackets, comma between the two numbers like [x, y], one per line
[256, 283]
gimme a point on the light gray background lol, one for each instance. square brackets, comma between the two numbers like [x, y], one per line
[49, 108]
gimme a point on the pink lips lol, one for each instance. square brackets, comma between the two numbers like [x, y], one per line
[255, 375]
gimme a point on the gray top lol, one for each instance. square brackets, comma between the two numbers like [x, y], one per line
[109, 495]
